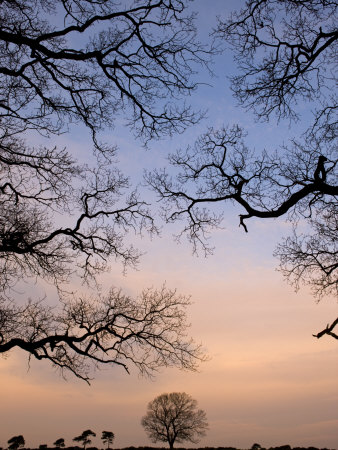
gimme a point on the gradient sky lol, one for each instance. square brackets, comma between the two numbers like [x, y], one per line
[267, 381]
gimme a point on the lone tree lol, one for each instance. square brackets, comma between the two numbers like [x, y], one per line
[59, 443]
[16, 442]
[84, 438]
[85, 63]
[286, 54]
[107, 437]
[256, 446]
[174, 418]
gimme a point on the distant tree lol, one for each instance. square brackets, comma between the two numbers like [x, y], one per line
[85, 437]
[59, 443]
[16, 442]
[256, 446]
[43, 446]
[107, 437]
[174, 418]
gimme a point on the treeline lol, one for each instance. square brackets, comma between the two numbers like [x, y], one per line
[282, 447]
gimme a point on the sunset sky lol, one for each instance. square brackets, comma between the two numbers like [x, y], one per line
[268, 380]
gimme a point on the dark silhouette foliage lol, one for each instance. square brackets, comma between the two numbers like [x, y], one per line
[59, 443]
[16, 442]
[281, 447]
[85, 437]
[107, 437]
[197, 448]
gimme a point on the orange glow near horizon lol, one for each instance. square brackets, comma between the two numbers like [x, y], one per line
[268, 380]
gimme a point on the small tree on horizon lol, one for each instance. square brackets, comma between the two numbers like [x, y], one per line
[107, 437]
[59, 443]
[174, 417]
[84, 437]
[15, 442]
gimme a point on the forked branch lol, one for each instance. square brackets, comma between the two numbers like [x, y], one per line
[328, 330]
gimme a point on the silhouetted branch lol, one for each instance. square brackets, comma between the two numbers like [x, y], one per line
[328, 331]
[219, 168]
[148, 332]
[285, 53]
[312, 259]
[97, 216]
[125, 58]
[282, 61]
[88, 63]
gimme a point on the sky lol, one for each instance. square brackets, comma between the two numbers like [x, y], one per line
[267, 380]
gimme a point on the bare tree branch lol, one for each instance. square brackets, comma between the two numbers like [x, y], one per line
[149, 332]
[219, 168]
[96, 61]
[328, 331]
[284, 59]
[286, 53]
[82, 62]
[299, 184]
[312, 259]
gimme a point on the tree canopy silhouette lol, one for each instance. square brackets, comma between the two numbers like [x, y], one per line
[16, 442]
[66, 63]
[107, 438]
[85, 437]
[59, 443]
[286, 54]
[174, 418]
